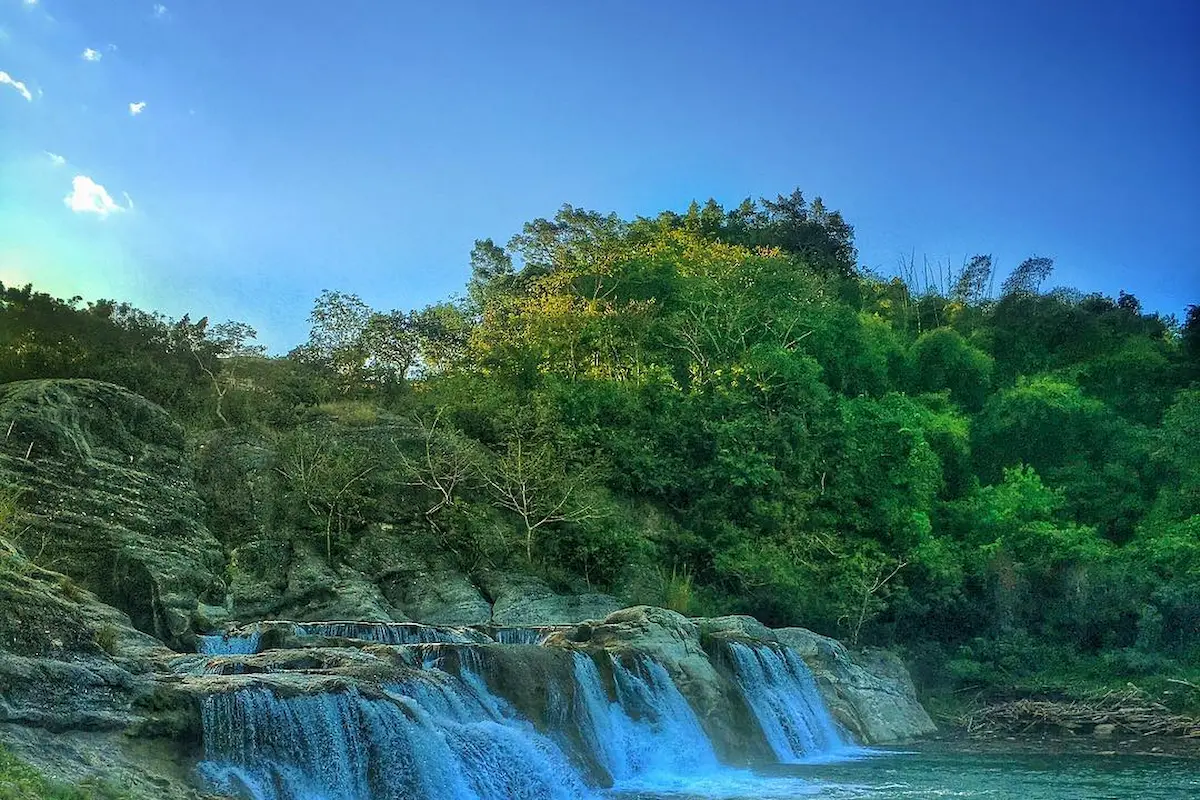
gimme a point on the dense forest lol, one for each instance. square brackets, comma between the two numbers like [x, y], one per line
[721, 411]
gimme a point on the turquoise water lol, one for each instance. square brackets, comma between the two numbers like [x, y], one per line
[918, 775]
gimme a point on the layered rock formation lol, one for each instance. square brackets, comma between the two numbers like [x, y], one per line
[107, 487]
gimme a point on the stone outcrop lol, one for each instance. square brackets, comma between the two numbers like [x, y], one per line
[106, 484]
[76, 679]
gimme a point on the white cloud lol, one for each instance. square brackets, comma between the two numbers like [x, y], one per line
[55, 158]
[21, 88]
[136, 108]
[92, 55]
[89, 197]
[160, 10]
[31, 2]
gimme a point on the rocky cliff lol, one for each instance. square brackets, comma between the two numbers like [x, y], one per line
[107, 489]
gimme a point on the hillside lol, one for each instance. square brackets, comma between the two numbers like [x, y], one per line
[716, 411]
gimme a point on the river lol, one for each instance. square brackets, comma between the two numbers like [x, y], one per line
[934, 771]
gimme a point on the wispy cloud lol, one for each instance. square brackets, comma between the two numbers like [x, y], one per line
[22, 89]
[136, 108]
[55, 158]
[160, 10]
[31, 2]
[92, 55]
[89, 197]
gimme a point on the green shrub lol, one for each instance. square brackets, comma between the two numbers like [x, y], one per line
[107, 638]
[678, 592]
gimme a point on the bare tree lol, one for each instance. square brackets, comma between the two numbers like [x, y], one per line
[326, 477]
[446, 462]
[216, 351]
[529, 480]
[870, 588]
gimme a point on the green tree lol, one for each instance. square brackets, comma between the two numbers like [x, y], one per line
[942, 360]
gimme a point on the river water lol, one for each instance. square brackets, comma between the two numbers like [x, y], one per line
[918, 774]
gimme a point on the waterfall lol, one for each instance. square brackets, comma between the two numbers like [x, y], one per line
[395, 633]
[531, 635]
[437, 730]
[648, 731]
[229, 644]
[781, 692]
[426, 739]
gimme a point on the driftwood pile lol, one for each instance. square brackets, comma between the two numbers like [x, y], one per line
[1125, 712]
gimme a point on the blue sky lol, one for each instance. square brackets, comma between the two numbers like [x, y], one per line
[362, 145]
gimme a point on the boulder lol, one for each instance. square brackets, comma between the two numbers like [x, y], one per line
[869, 691]
[435, 596]
[316, 592]
[58, 668]
[274, 578]
[737, 626]
[417, 579]
[108, 500]
[519, 599]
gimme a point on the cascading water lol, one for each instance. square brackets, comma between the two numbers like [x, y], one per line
[441, 732]
[627, 735]
[427, 739]
[394, 633]
[521, 635]
[651, 742]
[781, 692]
[230, 644]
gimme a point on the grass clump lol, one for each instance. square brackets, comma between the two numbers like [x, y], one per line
[19, 781]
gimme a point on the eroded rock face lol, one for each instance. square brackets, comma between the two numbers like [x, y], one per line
[869, 692]
[736, 627]
[526, 600]
[107, 486]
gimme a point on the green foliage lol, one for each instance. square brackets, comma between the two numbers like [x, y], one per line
[718, 411]
[942, 360]
[107, 637]
[1044, 422]
[678, 590]
[19, 781]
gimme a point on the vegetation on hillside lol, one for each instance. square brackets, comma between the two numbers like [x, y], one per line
[720, 411]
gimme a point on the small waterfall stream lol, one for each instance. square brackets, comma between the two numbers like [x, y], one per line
[628, 735]
[780, 690]
[230, 644]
